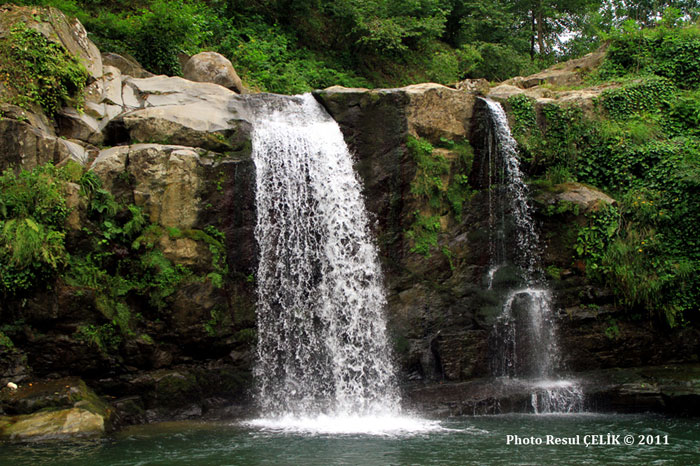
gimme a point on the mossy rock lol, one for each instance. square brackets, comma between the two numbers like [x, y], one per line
[59, 424]
[67, 392]
[63, 408]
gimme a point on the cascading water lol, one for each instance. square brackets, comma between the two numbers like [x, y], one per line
[322, 346]
[524, 336]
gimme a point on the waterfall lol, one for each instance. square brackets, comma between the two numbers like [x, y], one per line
[524, 335]
[322, 343]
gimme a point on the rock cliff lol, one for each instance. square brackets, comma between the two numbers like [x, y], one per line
[178, 151]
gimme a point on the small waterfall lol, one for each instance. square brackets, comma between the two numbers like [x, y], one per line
[322, 344]
[524, 336]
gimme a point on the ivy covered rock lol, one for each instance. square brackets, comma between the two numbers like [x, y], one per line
[56, 27]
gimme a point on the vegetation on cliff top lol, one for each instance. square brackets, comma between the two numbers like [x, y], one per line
[291, 47]
[643, 147]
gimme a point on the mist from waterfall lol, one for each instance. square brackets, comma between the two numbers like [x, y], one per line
[524, 341]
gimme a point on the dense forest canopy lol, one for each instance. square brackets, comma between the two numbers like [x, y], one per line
[293, 46]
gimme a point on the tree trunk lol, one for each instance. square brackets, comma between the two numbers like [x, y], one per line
[540, 29]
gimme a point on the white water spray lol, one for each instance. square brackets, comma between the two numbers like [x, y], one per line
[525, 331]
[322, 345]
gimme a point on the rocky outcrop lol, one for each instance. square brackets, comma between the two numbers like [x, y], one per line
[195, 174]
[168, 181]
[58, 409]
[584, 197]
[55, 26]
[212, 67]
[125, 64]
[666, 389]
[560, 84]
[177, 111]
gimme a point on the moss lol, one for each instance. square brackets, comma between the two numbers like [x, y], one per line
[441, 187]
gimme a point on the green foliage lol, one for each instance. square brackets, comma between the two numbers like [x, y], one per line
[38, 71]
[553, 272]
[501, 61]
[220, 321]
[424, 233]
[122, 263]
[523, 110]
[637, 97]
[643, 148]
[661, 51]
[440, 183]
[5, 341]
[32, 215]
[430, 169]
[279, 47]
[548, 148]
[268, 59]
[682, 116]
[612, 331]
[154, 32]
[104, 337]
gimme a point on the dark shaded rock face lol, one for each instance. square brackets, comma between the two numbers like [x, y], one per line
[441, 313]
[433, 306]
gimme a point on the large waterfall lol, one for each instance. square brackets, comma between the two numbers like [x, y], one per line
[524, 339]
[322, 343]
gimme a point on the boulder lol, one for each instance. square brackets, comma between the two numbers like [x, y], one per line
[26, 146]
[673, 388]
[477, 86]
[438, 112]
[583, 196]
[55, 26]
[59, 424]
[63, 408]
[212, 67]
[166, 180]
[79, 125]
[177, 111]
[127, 65]
[431, 111]
[569, 73]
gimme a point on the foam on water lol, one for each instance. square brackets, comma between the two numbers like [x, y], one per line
[347, 424]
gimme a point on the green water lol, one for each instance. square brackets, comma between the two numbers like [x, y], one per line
[464, 441]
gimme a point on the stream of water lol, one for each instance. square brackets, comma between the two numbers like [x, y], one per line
[524, 340]
[324, 362]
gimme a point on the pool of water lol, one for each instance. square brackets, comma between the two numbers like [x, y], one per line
[506, 439]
